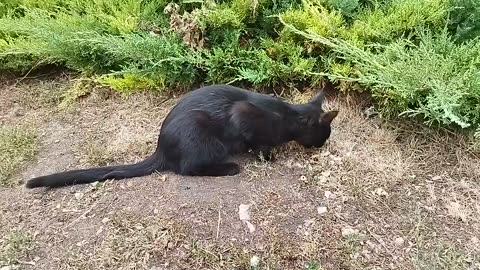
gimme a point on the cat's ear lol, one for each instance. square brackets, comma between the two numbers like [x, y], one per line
[318, 98]
[327, 117]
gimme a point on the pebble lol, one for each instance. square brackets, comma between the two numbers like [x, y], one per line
[347, 231]
[399, 241]
[322, 210]
[254, 261]
[330, 195]
[78, 195]
[18, 111]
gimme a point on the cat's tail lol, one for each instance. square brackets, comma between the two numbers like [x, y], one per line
[84, 176]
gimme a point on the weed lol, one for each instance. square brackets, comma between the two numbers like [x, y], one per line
[14, 247]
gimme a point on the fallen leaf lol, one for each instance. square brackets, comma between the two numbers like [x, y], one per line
[244, 215]
[455, 209]
[250, 226]
[244, 211]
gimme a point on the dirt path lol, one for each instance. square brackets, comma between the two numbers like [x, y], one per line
[376, 197]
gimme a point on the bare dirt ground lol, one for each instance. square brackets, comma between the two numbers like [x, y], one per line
[377, 196]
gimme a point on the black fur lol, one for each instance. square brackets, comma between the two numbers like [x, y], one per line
[209, 125]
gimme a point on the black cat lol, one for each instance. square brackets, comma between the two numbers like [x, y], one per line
[209, 125]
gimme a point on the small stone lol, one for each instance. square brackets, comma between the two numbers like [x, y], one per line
[254, 261]
[322, 210]
[326, 153]
[163, 178]
[475, 240]
[371, 245]
[308, 222]
[347, 231]
[57, 141]
[18, 111]
[381, 192]
[81, 243]
[78, 195]
[129, 184]
[330, 195]
[326, 173]
[335, 158]
[436, 178]
[105, 220]
[399, 241]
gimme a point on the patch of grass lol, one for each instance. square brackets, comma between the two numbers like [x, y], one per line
[312, 265]
[440, 256]
[16, 146]
[15, 246]
[97, 152]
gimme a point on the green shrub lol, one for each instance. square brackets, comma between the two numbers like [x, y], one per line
[134, 45]
[313, 18]
[464, 23]
[437, 78]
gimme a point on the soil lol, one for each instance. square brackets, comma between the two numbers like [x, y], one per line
[379, 195]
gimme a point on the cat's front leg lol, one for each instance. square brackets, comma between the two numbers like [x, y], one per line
[263, 152]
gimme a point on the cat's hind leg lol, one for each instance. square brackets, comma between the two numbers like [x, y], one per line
[207, 158]
[197, 146]
[215, 169]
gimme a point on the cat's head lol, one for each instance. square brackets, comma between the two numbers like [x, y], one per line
[315, 124]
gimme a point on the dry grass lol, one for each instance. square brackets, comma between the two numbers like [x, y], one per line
[127, 241]
[17, 145]
[394, 196]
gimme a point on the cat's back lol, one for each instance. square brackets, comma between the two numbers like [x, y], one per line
[218, 99]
